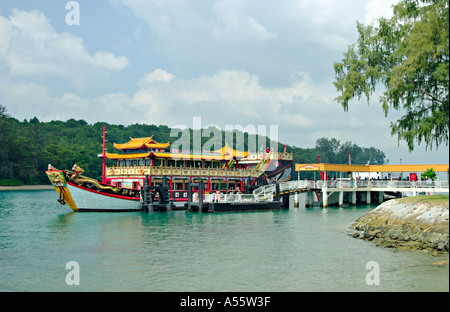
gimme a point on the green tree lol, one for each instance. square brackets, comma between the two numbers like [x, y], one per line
[327, 149]
[5, 143]
[352, 149]
[429, 174]
[409, 55]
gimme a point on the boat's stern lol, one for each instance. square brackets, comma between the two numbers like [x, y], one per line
[59, 182]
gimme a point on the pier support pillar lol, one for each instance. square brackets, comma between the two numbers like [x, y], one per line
[291, 201]
[325, 198]
[341, 199]
[380, 197]
[146, 201]
[302, 198]
[368, 199]
[296, 200]
[309, 198]
[354, 198]
[314, 197]
[169, 206]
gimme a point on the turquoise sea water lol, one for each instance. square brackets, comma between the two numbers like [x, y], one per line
[293, 250]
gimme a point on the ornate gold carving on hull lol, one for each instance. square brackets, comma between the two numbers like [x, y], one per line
[57, 178]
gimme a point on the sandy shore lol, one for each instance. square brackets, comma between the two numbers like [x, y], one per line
[26, 188]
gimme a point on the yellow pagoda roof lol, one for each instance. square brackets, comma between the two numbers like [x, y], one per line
[225, 153]
[127, 156]
[141, 143]
[228, 151]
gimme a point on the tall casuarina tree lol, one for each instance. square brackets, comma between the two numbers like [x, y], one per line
[408, 54]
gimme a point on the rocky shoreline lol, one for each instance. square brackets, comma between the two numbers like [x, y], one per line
[412, 223]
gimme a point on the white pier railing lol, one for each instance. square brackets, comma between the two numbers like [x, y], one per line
[382, 184]
[351, 185]
[232, 198]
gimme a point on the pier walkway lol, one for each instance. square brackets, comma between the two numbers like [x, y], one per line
[324, 190]
[354, 189]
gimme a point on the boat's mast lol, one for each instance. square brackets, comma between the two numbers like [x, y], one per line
[104, 155]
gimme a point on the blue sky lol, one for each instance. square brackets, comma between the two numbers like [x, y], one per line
[230, 62]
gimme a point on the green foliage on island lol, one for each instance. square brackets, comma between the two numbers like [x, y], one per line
[27, 147]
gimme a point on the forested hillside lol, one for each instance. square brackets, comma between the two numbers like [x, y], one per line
[27, 147]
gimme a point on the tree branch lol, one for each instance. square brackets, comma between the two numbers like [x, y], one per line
[423, 91]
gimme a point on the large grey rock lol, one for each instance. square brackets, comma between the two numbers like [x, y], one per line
[407, 224]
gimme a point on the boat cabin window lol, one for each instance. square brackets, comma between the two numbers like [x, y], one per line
[216, 164]
[156, 182]
[204, 182]
[148, 162]
[180, 163]
[189, 163]
[178, 186]
[234, 185]
[134, 162]
[121, 163]
[198, 164]
[127, 163]
[157, 162]
[171, 163]
[140, 162]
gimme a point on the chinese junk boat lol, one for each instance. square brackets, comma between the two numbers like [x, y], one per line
[169, 174]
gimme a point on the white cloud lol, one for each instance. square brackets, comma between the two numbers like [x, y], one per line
[258, 36]
[22, 99]
[30, 46]
[159, 75]
[303, 111]
[107, 60]
[378, 8]
[229, 97]
[233, 25]
[234, 62]
[270, 39]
